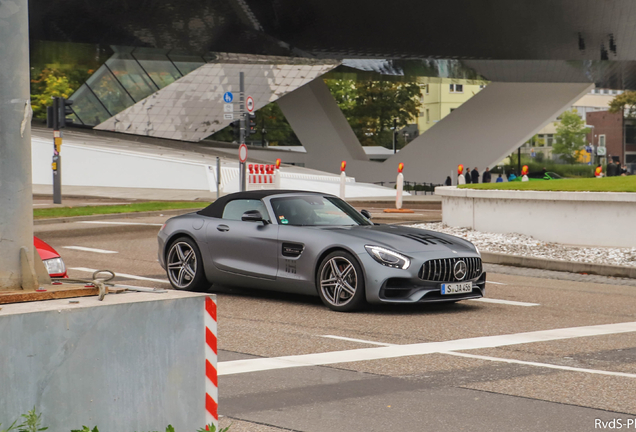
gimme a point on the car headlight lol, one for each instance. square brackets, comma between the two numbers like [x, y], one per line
[55, 266]
[388, 257]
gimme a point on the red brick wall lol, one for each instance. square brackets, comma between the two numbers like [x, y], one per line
[610, 125]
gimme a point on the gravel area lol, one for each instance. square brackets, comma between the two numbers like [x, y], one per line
[523, 245]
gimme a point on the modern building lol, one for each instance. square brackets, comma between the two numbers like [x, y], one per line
[165, 77]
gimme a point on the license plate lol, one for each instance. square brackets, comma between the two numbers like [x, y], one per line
[457, 288]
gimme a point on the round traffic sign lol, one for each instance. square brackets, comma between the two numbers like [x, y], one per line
[242, 153]
[249, 104]
[228, 97]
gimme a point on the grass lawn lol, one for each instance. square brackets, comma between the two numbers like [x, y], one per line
[106, 209]
[604, 184]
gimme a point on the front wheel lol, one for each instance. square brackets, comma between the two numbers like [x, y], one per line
[340, 282]
[185, 266]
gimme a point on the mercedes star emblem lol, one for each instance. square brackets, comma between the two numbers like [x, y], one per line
[460, 270]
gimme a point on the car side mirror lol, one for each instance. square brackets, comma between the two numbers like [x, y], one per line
[252, 216]
[366, 214]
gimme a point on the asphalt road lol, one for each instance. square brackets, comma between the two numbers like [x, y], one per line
[547, 352]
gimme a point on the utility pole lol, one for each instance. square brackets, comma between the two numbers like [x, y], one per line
[242, 173]
[394, 136]
[16, 195]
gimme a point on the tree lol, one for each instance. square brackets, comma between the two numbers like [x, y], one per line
[624, 101]
[570, 136]
[53, 82]
[371, 106]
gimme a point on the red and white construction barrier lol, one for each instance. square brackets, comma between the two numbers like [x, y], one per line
[211, 381]
[263, 177]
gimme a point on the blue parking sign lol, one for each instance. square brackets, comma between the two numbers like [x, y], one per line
[228, 97]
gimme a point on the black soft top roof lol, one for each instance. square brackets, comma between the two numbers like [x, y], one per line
[216, 208]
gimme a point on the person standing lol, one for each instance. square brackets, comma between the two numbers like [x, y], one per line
[475, 175]
[611, 168]
[499, 179]
[448, 182]
[487, 177]
[467, 175]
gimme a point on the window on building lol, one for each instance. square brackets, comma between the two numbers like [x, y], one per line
[428, 116]
[421, 113]
[421, 98]
[549, 140]
[601, 140]
[456, 88]
[426, 88]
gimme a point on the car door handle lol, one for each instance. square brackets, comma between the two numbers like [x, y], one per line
[223, 228]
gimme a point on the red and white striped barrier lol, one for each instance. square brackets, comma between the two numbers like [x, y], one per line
[261, 174]
[211, 380]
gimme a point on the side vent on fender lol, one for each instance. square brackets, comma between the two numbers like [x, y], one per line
[292, 250]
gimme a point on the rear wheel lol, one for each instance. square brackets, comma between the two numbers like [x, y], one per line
[340, 282]
[184, 266]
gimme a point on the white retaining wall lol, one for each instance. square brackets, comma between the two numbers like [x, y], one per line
[578, 218]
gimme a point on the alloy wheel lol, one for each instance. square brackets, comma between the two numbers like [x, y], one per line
[182, 265]
[338, 281]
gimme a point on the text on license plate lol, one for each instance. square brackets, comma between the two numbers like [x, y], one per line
[457, 288]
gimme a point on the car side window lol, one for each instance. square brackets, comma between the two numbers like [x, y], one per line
[234, 209]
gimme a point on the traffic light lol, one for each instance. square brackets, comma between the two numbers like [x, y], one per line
[236, 126]
[252, 124]
[51, 115]
[56, 113]
[64, 106]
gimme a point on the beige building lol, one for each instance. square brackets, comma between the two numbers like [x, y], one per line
[440, 96]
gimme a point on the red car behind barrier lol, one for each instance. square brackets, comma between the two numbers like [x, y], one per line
[51, 259]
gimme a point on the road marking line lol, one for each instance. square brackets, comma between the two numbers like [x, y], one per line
[506, 302]
[364, 354]
[356, 340]
[87, 249]
[124, 275]
[544, 365]
[496, 283]
[118, 223]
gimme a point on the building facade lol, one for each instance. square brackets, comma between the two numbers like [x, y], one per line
[442, 96]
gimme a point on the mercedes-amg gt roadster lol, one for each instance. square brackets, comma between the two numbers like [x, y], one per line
[317, 244]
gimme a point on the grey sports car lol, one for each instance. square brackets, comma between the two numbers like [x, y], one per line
[317, 244]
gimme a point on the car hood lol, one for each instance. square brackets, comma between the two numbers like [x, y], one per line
[405, 239]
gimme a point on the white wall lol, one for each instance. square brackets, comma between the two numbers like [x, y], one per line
[578, 218]
[90, 166]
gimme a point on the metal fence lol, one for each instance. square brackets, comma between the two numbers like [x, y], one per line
[414, 188]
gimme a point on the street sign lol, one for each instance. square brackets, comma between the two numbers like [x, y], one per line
[229, 116]
[600, 151]
[242, 153]
[249, 104]
[228, 97]
[228, 108]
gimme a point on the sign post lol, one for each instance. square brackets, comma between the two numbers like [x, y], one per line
[242, 171]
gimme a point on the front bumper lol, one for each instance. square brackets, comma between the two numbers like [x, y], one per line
[389, 285]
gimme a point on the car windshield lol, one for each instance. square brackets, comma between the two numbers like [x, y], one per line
[316, 210]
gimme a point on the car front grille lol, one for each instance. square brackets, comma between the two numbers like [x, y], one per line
[442, 270]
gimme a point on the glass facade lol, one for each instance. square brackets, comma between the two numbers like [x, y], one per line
[127, 77]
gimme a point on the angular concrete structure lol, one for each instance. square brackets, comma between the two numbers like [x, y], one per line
[192, 107]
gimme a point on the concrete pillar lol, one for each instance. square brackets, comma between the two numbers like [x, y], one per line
[16, 200]
[321, 127]
[481, 132]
